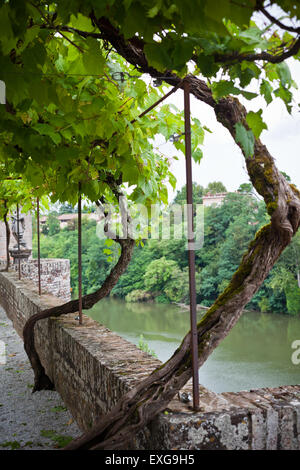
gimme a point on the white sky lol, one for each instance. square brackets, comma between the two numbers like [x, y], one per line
[223, 160]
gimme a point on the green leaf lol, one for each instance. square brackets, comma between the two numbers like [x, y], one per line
[157, 56]
[284, 73]
[8, 40]
[225, 87]
[245, 138]
[248, 94]
[45, 129]
[109, 242]
[285, 95]
[172, 180]
[130, 173]
[271, 71]
[134, 20]
[252, 36]
[256, 123]
[197, 155]
[182, 52]
[93, 59]
[81, 22]
[154, 10]
[207, 65]
[245, 71]
[266, 90]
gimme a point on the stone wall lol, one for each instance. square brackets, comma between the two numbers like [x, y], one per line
[55, 276]
[92, 367]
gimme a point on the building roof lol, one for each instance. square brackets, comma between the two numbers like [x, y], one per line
[216, 195]
[66, 217]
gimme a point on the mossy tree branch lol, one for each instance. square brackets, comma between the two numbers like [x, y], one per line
[139, 406]
[41, 380]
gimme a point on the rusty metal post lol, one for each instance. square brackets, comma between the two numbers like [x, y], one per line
[38, 242]
[79, 257]
[18, 230]
[191, 243]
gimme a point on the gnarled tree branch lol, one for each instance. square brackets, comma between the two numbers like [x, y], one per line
[140, 405]
[265, 56]
[226, 58]
[41, 380]
[262, 9]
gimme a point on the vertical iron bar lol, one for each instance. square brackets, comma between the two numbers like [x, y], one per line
[38, 242]
[79, 256]
[191, 242]
[18, 230]
[7, 231]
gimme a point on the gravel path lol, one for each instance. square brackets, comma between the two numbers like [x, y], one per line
[28, 421]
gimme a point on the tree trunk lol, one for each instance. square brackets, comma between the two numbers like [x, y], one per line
[152, 395]
[139, 406]
[41, 380]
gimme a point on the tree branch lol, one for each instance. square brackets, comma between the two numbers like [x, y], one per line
[260, 7]
[41, 380]
[274, 59]
[139, 406]
[220, 58]
[71, 42]
[70, 29]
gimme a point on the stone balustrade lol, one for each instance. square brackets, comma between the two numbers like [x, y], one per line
[93, 367]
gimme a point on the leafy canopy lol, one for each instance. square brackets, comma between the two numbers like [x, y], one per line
[70, 117]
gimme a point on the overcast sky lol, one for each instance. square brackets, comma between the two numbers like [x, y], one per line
[223, 160]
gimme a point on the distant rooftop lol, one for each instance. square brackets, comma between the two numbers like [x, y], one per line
[67, 217]
[216, 195]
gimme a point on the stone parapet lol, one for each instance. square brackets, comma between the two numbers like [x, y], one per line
[93, 367]
[55, 275]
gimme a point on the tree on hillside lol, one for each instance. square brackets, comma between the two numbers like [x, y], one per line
[215, 187]
[245, 188]
[226, 50]
[198, 192]
[164, 276]
[53, 224]
[66, 209]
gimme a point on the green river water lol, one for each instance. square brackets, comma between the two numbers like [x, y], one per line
[256, 353]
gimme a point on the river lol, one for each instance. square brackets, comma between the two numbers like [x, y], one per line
[256, 353]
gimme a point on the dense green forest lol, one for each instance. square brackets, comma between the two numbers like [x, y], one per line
[159, 268]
